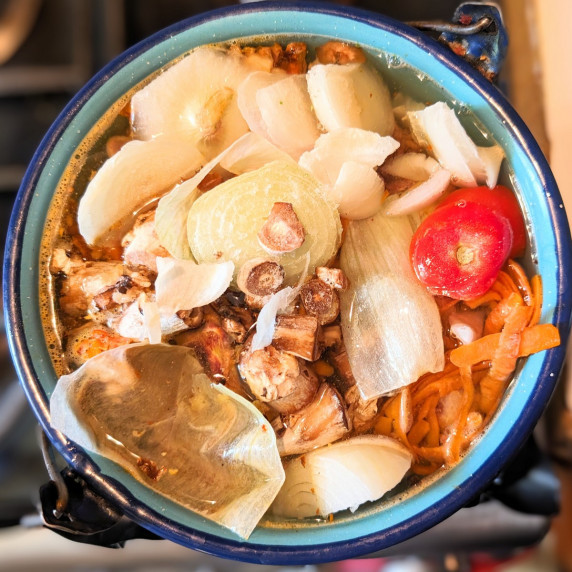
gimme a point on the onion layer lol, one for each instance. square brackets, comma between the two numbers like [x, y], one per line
[287, 114]
[344, 162]
[223, 224]
[341, 476]
[391, 324]
[351, 95]
[138, 172]
[185, 285]
[438, 127]
[195, 100]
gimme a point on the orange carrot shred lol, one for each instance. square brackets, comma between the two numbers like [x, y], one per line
[534, 339]
[504, 360]
[498, 315]
[455, 442]
[536, 286]
[418, 432]
[423, 469]
[441, 386]
[383, 426]
[516, 272]
[492, 296]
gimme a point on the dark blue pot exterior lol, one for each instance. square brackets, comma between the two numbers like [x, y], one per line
[358, 536]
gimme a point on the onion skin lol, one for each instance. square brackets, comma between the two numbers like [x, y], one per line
[117, 393]
[391, 324]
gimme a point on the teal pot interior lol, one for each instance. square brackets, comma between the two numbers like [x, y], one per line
[416, 65]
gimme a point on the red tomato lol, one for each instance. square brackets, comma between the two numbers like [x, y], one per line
[501, 200]
[458, 250]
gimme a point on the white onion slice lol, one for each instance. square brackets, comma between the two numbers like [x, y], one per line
[419, 197]
[402, 105]
[341, 476]
[439, 128]
[184, 285]
[413, 166]
[246, 98]
[287, 113]
[151, 321]
[333, 149]
[352, 95]
[195, 99]
[344, 162]
[492, 158]
[390, 323]
[138, 172]
[251, 152]
[358, 191]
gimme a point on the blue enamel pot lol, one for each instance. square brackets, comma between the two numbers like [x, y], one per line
[413, 63]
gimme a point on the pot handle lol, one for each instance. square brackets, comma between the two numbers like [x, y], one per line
[476, 34]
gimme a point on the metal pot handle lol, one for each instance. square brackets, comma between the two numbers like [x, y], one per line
[476, 34]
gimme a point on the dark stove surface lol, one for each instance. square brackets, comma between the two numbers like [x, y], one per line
[67, 43]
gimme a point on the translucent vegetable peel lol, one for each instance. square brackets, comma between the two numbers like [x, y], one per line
[391, 324]
[185, 285]
[152, 410]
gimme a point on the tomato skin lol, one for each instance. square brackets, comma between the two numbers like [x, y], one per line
[503, 201]
[458, 250]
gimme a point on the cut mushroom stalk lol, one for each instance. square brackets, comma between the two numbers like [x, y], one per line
[339, 53]
[259, 277]
[282, 231]
[332, 337]
[320, 300]
[333, 277]
[321, 422]
[278, 378]
[192, 318]
[298, 335]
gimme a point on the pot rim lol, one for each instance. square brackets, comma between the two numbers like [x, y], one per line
[301, 553]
